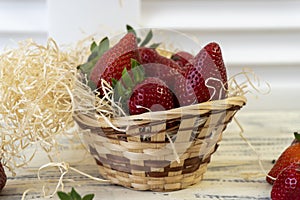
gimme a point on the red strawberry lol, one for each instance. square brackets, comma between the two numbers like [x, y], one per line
[214, 50]
[159, 66]
[182, 58]
[204, 79]
[112, 62]
[3, 177]
[138, 94]
[147, 55]
[287, 184]
[152, 94]
[289, 155]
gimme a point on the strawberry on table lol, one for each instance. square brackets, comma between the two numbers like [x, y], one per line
[287, 183]
[289, 155]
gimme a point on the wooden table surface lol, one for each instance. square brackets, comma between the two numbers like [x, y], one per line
[234, 171]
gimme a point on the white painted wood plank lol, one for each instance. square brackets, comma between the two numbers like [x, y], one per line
[100, 17]
[251, 32]
[219, 14]
[22, 20]
[273, 48]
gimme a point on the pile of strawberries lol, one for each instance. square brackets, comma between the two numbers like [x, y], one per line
[285, 174]
[144, 80]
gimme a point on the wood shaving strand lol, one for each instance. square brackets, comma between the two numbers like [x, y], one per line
[36, 98]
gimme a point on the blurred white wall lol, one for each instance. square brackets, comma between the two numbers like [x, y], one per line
[70, 21]
[20, 20]
[260, 34]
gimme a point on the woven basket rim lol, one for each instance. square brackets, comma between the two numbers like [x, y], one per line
[96, 120]
[222, 104]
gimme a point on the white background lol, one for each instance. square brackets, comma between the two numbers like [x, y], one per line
[263, 35]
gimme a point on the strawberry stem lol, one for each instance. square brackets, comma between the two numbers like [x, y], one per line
[146, 40]
[96, 52]
[127, 80]
[130, 29]
[137, 71]
[297, 136]
[123, 87]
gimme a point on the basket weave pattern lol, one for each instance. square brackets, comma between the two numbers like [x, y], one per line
[160, 151]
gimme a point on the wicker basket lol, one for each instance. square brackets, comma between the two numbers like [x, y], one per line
[160, 151]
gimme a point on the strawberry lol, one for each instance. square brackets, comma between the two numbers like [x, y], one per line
[147, 55]
[3, 177]
[182, 58]
[289, 155]
[204, 79]
[287, 184]
[152, 94]
[138, 94]
[159, 66]
[214, 50]
[113, 61]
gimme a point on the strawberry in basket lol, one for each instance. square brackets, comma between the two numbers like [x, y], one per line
[139, 94]
[182, 58]
[205, 77]
[111, 64]
[159, 66]
[182, 79]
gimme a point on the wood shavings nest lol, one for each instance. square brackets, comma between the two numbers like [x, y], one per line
[35, 98]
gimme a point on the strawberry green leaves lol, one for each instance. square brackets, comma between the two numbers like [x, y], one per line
[297, 136]
[73, 195]
[96, 52]
[130, 29]
[123, 88]
[112, 57]
[146, 40]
